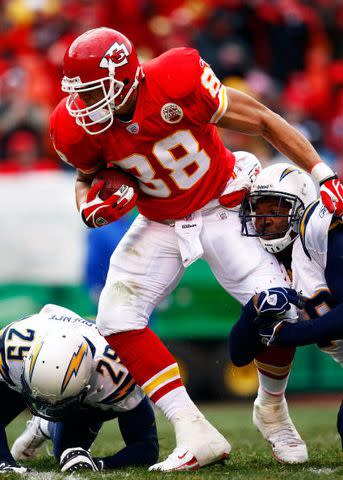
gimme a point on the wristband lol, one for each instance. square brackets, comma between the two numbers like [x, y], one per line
[322, 172]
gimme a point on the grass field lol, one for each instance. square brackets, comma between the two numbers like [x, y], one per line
[250, 459]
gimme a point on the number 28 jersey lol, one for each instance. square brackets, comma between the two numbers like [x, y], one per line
[171, 145]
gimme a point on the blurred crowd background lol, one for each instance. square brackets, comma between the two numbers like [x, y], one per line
[286, 53]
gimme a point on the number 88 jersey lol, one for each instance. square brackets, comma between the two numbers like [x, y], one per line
[111, 385]
[171, 145]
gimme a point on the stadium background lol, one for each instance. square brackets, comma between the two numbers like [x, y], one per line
[287, 53]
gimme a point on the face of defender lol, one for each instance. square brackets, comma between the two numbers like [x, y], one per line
[272, 217]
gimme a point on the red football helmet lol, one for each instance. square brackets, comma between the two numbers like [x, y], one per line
[105, 59]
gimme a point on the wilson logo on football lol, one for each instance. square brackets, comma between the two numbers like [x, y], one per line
[171, 113]
[117, 54]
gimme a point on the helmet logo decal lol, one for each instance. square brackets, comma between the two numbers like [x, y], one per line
[287, 171]
[171, 113]
[117, 54]
[74, 364]
[33, 358]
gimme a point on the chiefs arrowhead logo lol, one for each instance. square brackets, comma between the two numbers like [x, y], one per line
[117, 54]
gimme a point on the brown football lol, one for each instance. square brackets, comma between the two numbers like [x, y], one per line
[114, 178]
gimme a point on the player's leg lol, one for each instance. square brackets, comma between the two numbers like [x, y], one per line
[244, 268]
[340, 423]
[144, 269]
[80, 430]
[138, 429]
[11, 405]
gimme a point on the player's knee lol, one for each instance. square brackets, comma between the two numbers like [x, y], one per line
[118, 311]
[119, 320]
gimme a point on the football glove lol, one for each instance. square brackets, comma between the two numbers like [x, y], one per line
[8, 467]
[331, 189]
[246, 168]
[96, 212]
[77, 459]
[331, 192]
[277, 301]
[268, 334]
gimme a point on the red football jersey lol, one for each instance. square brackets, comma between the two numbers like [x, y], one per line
[171, 145]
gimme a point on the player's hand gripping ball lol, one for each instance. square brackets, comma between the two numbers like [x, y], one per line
[113, 193]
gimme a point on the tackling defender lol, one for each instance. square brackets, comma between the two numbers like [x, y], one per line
[309, 241]
[59, 365]
[158, 122]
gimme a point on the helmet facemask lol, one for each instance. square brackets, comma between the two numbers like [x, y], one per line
[286, 206]
[51, 411]
[100, 113]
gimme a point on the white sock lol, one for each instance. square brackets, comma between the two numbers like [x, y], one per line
[265, 398]
[272, 386]
[177, 403]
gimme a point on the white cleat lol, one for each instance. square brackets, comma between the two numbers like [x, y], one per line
[180, 459]
[198, 444]
[30, 441]
[276, 426]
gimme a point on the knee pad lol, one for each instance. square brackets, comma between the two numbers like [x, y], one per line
[120, 310]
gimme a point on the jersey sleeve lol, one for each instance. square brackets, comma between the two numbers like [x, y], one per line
[308, 275]
[211, 95]
[187, 78]
[73, 145]
[314, 228]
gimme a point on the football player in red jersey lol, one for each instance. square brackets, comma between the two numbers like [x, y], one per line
[158, 122]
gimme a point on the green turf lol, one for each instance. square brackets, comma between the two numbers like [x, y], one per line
[250, 459]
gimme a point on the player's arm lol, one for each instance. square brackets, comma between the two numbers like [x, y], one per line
[82, 187]
[244, 341]
[322, 329]
[139, 432]
[267, 307]
[247, 115]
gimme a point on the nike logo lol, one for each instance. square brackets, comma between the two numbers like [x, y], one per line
[182, 456]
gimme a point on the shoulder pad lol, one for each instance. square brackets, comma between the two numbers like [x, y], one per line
[63, 128]
[314, 227]
[175, 71]
[72, 143]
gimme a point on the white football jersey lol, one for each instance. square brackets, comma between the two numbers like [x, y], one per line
[111, 385]
[309, 262]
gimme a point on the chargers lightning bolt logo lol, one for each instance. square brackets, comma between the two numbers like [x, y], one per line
[33, 358]
[74, 364]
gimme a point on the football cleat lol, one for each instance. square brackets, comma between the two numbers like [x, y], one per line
[276, 426]
[198, 444]
[76, 459]
[30, 441]
[180, 459]
[11, 467]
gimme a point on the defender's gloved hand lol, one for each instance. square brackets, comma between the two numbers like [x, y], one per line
[96, 212]
[268, 334]
[76, 459]
[12, 467]
[276, 301]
